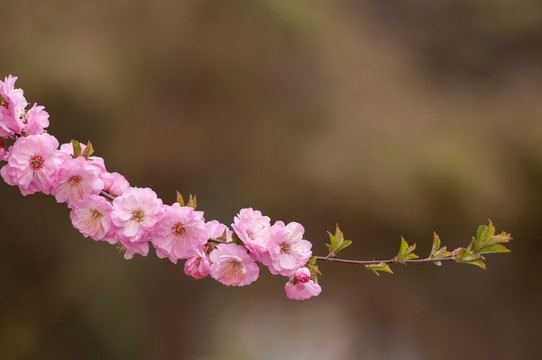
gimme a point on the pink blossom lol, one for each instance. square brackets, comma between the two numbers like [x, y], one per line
[33, 164]
[232, 265]
[302, 274]
[11, 108]
[180, 231]
[217, 230]
[301, 291]
[12, 98]
[35, 120]
[77, 178]
[253, 230]
[287, 249]
[96, 161]
[129, 248]
[197, 266]
[114, 183]
[9, 125]
[136, 213]
[92, 216]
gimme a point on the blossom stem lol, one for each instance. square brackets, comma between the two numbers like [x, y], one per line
[389, 261]
[107, 196]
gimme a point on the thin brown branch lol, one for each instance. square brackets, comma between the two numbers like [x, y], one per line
[107, 196]
[389, 261]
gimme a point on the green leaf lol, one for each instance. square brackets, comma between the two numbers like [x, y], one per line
[76, 149]
[436, 245]
[494, 249]
[484, 235]
[339, 234]
[478, 262]
[405, 252]
[333, 240]
[313, 268]
[480, 233]
[465, 256]
[403, 248]
[89, 150]
[438, 263]
[379, 267]
[500, 238]
[337, 242]
[345, 244]
[192, 202]
[237, 240]
[411, 255]
[180, 199]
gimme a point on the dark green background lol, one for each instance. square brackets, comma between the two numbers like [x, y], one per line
[389, 117]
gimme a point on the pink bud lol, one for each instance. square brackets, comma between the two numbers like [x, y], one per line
[197, 266]
[302, 274]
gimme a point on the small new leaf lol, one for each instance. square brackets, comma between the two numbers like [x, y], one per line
[180, 199]
[236, 239]
[76, 149]
[494, 249]
[311, 265]
[483, 236]
[437, 251]
[436, 245]
[89, 150]
[379, 267]
[343, 245]
[192, 202]
[466, 256]
[403, 248]
[333, 241]
[500, 238]
[337, 242]
[405, 252]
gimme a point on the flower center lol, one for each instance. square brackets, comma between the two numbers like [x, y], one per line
[36, 162]
[233, 271]
[138, 215]
[284, 248]
[179, 229]
[95, 214]
[74, 180]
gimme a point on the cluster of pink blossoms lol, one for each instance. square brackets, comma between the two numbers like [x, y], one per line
[105, 207]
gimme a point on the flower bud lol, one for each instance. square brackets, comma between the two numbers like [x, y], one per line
[302, 274]
[197, 266]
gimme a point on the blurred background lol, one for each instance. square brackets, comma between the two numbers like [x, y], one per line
[391, 118]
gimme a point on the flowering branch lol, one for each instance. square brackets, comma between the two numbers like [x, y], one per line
[104, 207]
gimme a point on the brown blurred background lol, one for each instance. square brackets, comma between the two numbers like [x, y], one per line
[389, 117]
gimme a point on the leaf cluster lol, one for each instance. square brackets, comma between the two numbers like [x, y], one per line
[337, 242]
[485, 242]
[192, 201]
[89, 150]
